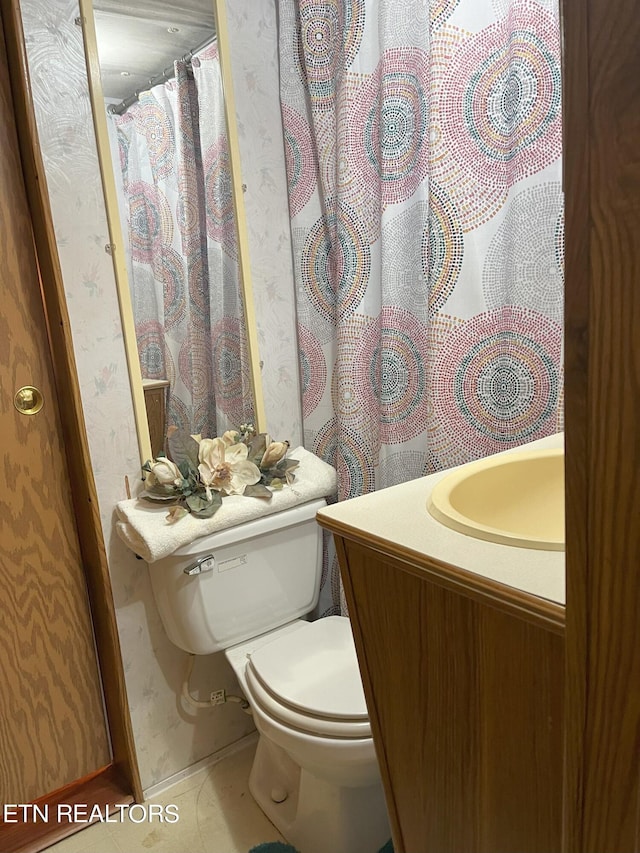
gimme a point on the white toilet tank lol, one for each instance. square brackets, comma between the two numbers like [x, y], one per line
[244, 580]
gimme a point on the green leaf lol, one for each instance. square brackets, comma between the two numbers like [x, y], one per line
[162, 489]
[257, 491]
[287, 464]
[186, 468]
[183, 450]
[158, 496]
[257, 447]
[201, 507]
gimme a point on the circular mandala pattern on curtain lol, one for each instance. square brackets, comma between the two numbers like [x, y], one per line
[150, 338]
[351, 456]
[221, 221]
[300, 159]
[123, 150]
[443, 248]
[404, 23]
[329, 39]
[194, 363]
[390, 374]
[345, 396]
[229, 378]
[336, 250]
[146, 294]
[150, 221]
[186, 95]
[178, 414]
[501, 99]
[496, 380]
[521, 264]
[558, 242]
[387, 137]
[399, 467]
[198, 290]
[440, 10]
[503, 7]
[313, 370]
[338, 176]
[188, 214]
[475, 201]
[320, 326]
[404, 257]
[169, 270]
[153, 122]
[203, 417]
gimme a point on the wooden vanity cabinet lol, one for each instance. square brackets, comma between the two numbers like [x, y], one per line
[464, 683]
[155, 401]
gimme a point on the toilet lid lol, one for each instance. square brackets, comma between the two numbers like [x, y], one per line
[314, 670]
[263, 700]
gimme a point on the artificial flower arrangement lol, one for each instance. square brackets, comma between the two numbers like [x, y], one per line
[199, 472]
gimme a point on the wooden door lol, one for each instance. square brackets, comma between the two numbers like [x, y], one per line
[602, 186]
[52, 723]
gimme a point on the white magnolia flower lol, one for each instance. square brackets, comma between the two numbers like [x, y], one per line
[225, 468]
[274, 453]
[166, 472]
[230, 437]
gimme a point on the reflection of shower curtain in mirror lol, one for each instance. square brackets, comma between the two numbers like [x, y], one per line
[183, 260]
[423, 142]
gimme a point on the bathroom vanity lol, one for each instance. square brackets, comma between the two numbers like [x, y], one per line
[155, 401]
[461, 647]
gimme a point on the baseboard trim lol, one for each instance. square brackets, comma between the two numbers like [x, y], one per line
[203, 764]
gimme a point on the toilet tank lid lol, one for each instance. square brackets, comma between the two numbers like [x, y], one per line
[314, 670]
[248, 529]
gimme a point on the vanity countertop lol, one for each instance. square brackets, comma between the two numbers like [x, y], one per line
[399, 516]
[149, 384]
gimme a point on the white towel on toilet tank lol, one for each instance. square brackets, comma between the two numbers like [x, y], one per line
[142, 525]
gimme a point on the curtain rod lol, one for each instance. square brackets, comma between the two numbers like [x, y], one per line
[167, 74]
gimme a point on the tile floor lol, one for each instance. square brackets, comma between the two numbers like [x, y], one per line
[216, 815]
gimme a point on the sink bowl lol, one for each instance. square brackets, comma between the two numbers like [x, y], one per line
[513, 499]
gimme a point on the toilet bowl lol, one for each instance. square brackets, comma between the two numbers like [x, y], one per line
[315, 775]
[247, 590]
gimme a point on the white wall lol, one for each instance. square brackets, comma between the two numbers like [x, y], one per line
[168, 737]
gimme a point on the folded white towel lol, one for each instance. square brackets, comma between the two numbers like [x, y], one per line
[143, 527]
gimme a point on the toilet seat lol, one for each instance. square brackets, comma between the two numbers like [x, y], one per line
[322, 726]
[310, 680]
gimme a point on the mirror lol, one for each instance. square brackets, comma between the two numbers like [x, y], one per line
[167, 143]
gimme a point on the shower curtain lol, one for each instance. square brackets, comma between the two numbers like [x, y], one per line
[423, 144]
[183, 267]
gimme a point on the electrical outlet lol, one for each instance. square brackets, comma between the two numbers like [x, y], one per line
[217, 697]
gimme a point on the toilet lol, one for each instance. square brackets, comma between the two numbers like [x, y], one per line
[247, 590]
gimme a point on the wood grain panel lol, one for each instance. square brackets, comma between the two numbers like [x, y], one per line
[155, 404]
[103, 788]
[602, 134]
[577, 233]
[538, 611]
[52, 728]
[466, 708]
[85, 497]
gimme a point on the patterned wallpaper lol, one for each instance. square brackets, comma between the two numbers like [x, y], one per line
[168, 737]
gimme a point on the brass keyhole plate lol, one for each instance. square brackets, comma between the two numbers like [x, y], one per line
[28, 400]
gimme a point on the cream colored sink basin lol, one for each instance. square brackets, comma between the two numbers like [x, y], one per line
[513, 499]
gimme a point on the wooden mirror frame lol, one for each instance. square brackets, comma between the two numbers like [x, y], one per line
[115, 224]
